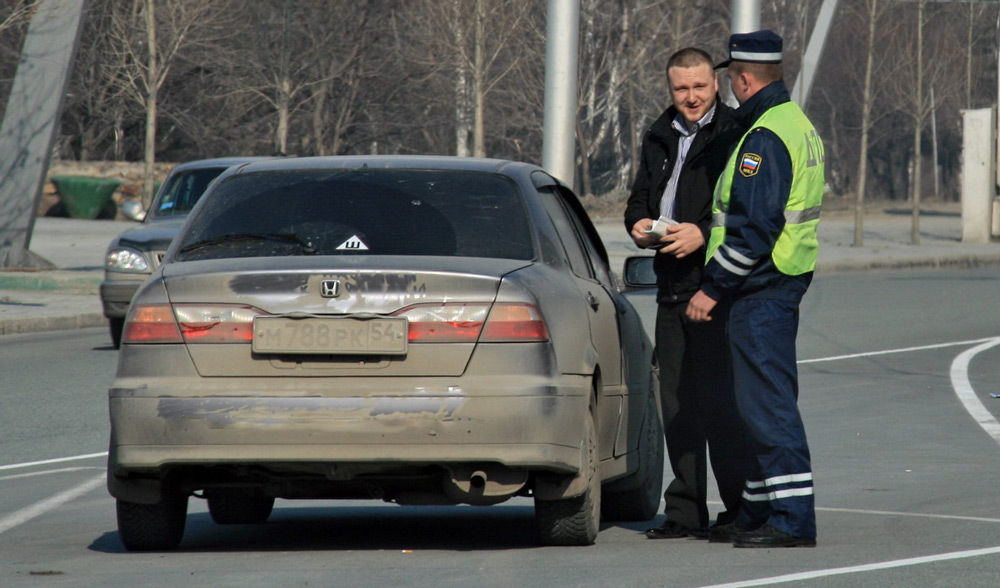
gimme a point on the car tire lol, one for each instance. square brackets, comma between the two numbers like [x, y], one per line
[115, 327]
[576, 520]
[238, 507]
[636, 497]
[152, 527]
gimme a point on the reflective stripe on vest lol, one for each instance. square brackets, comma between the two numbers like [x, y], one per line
[795, 250]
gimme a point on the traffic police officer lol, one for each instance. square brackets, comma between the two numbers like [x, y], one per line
[761, 256]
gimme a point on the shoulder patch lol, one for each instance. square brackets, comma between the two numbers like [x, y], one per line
[750, 164]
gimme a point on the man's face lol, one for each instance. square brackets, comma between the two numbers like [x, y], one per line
[693, 90]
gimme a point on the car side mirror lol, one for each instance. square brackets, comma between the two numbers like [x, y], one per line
[133, 210]
[639, 272]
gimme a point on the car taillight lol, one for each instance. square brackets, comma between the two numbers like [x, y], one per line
[458, 322]
[190, 323]
[217, 323]
[514, 322]
[447, 322]
[151, 323]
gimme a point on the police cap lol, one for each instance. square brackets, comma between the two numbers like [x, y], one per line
[756, 47]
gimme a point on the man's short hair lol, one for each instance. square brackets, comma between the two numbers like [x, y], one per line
[689, 57]
[763, 72]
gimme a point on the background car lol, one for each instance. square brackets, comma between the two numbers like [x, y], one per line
[421, 330]
[133, 255]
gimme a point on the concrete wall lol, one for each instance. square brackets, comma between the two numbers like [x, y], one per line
[978, 174]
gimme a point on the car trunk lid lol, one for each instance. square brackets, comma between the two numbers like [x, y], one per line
[311, 319]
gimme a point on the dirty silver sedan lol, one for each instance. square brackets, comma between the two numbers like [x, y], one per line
[420, 330]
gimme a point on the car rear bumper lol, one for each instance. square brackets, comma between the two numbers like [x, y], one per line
[533, 428]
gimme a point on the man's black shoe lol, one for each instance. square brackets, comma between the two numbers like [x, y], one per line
[672, 530]
[768, 536]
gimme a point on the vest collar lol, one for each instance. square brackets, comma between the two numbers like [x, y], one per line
[766, 98]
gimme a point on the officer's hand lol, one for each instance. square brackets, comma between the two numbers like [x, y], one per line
[699, 307]
[684, 239]
[642, 239]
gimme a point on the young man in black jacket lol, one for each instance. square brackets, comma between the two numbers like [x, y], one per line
[683, 153]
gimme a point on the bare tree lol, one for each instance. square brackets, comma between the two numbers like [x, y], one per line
[870, 12]
[478, 51]
[149, 42]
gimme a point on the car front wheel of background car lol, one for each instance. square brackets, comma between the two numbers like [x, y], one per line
[238, 506]
[636, 497]
[574, 521]
[152, 527]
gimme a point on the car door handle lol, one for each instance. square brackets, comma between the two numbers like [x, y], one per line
[592, 301]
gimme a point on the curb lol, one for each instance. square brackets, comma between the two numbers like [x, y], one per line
[52, 323]
[932, 262]
[69, 281]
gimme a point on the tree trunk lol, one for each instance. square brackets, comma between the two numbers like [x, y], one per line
[866, 110]
[284, 106]
[463, 116]
[153, 75]
[918, 125]
[319, 119]
[478, 84]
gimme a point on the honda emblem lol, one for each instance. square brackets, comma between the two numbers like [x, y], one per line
[330, 288]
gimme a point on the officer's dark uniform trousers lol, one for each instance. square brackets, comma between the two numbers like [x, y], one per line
[762, 334]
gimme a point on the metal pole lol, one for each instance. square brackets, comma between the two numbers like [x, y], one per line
[559, 128]
[744, 16]
[814, 50]
[31, 123]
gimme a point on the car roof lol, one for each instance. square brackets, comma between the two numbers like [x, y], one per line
[218, 162]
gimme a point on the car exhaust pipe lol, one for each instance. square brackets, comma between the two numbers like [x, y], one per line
[483, 485]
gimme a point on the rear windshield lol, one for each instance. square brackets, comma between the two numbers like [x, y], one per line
[360, 212]
[183, 190]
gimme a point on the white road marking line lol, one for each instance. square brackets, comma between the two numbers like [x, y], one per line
[28, 464]
[885, 565]
[967, 395]
[889, 351]
[893, 513]
[53, 502]
[47, 472]
[889, 513]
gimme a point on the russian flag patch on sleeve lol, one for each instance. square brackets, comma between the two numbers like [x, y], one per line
[750, 164]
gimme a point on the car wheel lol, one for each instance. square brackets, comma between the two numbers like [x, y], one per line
[238, 507]
[636, 497]
[574, 521]
[149, 527]
[115, 327]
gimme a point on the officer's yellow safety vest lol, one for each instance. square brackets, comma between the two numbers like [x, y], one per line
[796, 248]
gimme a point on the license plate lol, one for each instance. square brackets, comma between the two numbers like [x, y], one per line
[380, 336]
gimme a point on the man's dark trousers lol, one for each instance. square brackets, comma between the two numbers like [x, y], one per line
[696, 391]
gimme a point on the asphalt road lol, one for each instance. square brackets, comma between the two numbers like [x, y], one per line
[896, 375]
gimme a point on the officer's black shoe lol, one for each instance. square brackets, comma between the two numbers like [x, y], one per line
[725, 533]
[672, 530]
[768, 536]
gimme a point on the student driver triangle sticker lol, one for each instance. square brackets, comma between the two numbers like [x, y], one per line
[353, 244]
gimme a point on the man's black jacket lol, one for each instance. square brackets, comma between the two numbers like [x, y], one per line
[678, 279]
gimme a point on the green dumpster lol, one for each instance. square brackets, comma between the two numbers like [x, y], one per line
[84, 196]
